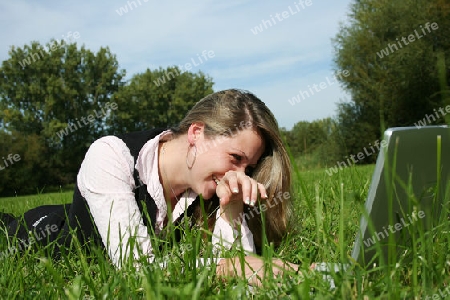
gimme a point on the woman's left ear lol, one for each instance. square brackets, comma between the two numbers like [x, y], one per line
[195, 132]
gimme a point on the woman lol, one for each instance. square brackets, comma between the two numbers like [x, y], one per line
[227, 150]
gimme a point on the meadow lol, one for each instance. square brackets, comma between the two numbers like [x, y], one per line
[326, 218]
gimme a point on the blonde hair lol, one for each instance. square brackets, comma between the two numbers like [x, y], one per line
[222, 113]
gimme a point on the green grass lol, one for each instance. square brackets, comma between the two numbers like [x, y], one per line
[326, 218]
[19, 205]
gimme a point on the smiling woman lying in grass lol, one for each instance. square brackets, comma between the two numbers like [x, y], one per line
[227, 151]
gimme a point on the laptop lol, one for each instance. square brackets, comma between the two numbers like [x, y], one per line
[409, 193]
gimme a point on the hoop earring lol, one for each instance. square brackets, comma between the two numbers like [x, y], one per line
[190, 165]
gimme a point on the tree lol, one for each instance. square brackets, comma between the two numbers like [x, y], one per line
[22, 163]
[313, 142]
[58, 96]
[158, 98]
[396, 54]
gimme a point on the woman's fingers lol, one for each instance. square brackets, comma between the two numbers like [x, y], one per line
[224, 191]
[232, 180]
[254, 193]
[262, 190]
[247, 187]
[238, 183]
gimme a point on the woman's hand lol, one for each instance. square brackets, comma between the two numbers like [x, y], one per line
[254, 268]
[235, 189]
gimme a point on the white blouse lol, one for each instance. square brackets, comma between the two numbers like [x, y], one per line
[106, 181]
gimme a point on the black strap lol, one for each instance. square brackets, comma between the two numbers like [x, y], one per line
[147, 206]
[145, 202]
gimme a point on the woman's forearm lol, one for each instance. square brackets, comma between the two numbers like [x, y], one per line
[253, 268]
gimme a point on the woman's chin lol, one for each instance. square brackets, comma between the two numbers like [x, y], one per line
[208, 193]
[209, 190]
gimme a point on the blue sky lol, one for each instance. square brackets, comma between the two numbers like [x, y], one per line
[291, 53]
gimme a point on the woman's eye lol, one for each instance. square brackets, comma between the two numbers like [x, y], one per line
[237, 157]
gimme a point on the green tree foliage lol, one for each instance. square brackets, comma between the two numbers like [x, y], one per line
[25, 174]
[403, 83]
[313, 143]
[45, 95]
[147, 102]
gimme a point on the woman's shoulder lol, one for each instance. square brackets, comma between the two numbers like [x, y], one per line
[107, 164]
[108, 143]
[109, 149]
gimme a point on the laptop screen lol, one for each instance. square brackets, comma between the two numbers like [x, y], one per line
[408, 192]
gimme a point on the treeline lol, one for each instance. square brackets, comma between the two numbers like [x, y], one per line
[313, 144]
[321, 143]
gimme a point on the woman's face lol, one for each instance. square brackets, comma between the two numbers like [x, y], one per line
[238, 152]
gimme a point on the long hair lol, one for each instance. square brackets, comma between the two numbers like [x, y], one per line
[222, 113]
